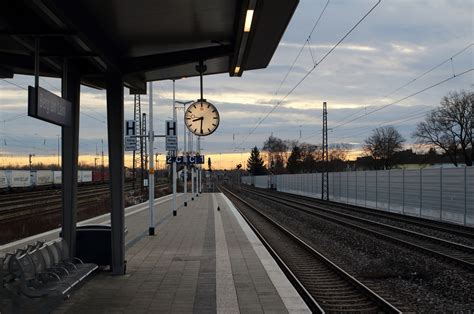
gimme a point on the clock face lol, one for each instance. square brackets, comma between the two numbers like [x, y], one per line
[201, 118]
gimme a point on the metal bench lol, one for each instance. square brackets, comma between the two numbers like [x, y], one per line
[44, 270]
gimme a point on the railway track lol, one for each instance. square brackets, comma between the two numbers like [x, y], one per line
[26, 207]
[447, 250]
[454, 229]
[46, 192]
[19, 201]
[324, 286]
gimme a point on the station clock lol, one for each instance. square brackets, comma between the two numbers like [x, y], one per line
[201, 118]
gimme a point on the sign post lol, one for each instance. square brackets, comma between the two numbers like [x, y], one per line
[172, 146]
[46, 106]
[151, 173]
[130, 136]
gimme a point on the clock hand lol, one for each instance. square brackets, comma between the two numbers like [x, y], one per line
[201, 118]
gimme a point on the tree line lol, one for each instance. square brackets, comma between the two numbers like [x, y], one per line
[446, 132]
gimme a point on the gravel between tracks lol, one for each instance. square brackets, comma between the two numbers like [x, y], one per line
[408, 226]
[421, 283]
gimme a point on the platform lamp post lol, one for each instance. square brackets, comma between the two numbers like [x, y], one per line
[198, 168]
[151, 174]
[174, 154]
[185, 153]
[190, 151]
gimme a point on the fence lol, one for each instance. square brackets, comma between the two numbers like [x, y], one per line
[442, 194]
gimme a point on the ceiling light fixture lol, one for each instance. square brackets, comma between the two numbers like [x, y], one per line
[248, 21]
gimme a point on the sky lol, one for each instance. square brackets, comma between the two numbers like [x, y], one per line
[381, 63]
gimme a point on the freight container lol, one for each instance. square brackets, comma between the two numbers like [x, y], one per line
[41, 177]
[96, 176]
[3, 179]
[84, 176]
[99, 176]
[57, 177]
[18, 178]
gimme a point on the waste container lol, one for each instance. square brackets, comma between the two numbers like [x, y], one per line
[93, 244]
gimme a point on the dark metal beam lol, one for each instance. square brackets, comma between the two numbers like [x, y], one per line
[71, 86]
[115, 129]
[71, 15]
[5, 73]
[29, 45]
[164, 60]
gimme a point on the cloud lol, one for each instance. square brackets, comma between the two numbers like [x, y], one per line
[408, 49]
[396, 43]
[329, 46]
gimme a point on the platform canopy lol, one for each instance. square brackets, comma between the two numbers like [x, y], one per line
[142, 40]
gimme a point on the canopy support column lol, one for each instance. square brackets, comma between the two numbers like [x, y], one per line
[71, 90]
[115, 133]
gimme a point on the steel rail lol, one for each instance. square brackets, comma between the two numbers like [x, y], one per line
[326, 303]
[455, 252]
[437, 225]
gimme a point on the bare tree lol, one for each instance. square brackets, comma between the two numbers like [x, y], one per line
[338, 156]
[277, 153]
[449, 127]
[383, 144]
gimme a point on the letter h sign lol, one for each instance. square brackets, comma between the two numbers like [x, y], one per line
[171, 128]
[130, 128]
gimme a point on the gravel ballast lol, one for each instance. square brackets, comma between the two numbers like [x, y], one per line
[416, 281]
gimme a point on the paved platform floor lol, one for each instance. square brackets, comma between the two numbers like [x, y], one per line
[202, 261]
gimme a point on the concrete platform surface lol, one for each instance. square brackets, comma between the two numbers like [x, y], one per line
[201, 261]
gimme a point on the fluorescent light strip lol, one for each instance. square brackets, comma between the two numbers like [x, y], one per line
[248, 21]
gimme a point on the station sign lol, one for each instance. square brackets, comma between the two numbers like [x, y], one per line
[171, 129]
[189, 160]
[130, 143]
[171, 143]
[171, 133]
[130, 128]
[46, 106]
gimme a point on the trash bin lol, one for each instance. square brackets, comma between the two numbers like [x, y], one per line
[93, 244]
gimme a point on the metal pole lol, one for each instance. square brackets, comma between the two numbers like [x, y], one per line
[403, 191]
[441, 193]
[357, 190]
[151, 173]
[376, 189]
[192, 169]
[198, 170]
[421, 190]
[465, 195]
[389, 188]
[185, 153]
[115, 133]
[174, 154]
[365, 188]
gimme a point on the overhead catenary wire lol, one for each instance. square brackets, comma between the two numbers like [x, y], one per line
[395, 102]
[302, 47]
[405, 98]
[390, 122]
[430, 70]
[310, 71]
[14, 84]
[411, 81]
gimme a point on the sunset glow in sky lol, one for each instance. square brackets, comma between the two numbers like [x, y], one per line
[375, 66]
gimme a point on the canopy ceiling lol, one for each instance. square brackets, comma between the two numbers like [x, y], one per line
[141, 40]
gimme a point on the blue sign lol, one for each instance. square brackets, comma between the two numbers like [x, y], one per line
[189, 160]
